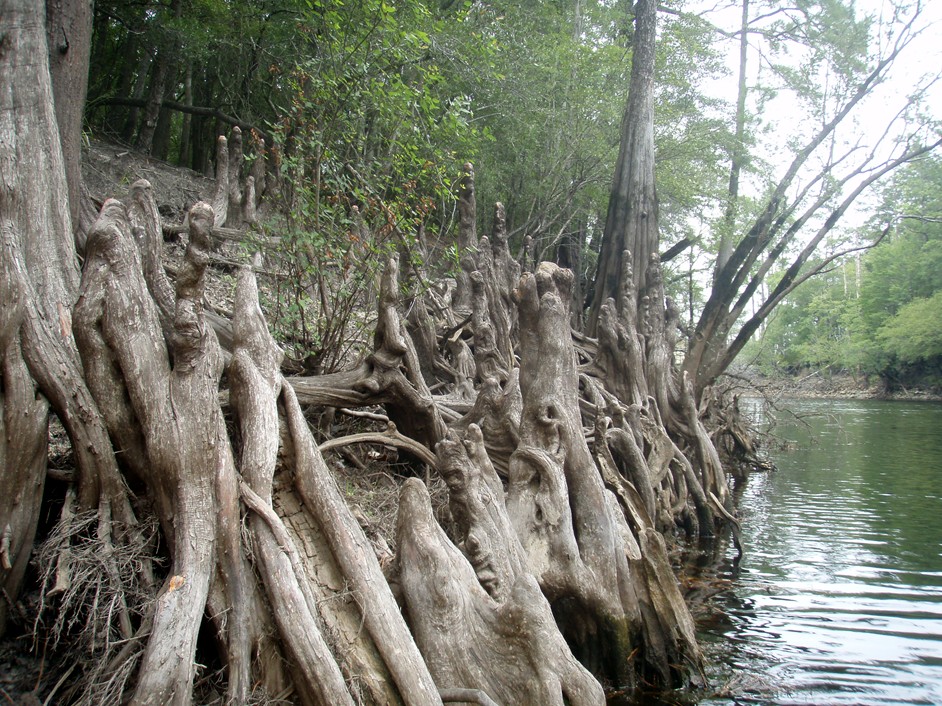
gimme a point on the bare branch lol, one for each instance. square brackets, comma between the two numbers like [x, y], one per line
[183, 108]
[390, 437]
[759, 236]
[793, 276]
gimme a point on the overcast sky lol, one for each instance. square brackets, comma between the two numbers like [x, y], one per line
[785, 118]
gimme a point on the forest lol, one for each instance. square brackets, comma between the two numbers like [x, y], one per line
[422, 400]
[877, 314]
[390, 99]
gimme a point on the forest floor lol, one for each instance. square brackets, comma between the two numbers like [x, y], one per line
[110, 169]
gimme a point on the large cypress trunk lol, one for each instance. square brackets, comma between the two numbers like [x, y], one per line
[39, 277]
[631, 224]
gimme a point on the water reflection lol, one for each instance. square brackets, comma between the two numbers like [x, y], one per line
[838, 599]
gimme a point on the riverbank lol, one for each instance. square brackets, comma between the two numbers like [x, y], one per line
[822, 385]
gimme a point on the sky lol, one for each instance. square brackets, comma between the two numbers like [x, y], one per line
[783, 119]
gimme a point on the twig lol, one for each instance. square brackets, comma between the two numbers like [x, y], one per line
[363, 414]
[59, 683]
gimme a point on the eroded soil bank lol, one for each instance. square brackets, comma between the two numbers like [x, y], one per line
[821, 384]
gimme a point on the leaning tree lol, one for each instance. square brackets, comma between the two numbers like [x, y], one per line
[788, 229]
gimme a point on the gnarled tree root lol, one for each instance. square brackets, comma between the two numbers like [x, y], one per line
[509, 648]
[167, 420]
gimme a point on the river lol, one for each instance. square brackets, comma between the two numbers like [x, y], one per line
[838, 598]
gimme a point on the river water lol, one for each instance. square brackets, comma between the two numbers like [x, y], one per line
[838, 598]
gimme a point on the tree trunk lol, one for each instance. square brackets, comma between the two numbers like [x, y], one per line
[631, 223]
[39, 276]
[140, 86]
[69, 33]
[160, 147]
[739, 150]
[183, 156]
[467, 237]
[160, 75]
[233, 217]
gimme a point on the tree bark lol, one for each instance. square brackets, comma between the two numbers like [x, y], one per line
[555, 495]
[631, 223]
[40, 280]
[165, 403]
[467, 235]
[168, 422]
[160, 74]
[234, 214]
[483, 597]
[69, 34]
[739, 150]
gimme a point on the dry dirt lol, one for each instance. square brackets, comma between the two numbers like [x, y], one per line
[109, 170]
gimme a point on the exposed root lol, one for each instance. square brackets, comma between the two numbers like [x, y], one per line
[390, 437]
[93, 606]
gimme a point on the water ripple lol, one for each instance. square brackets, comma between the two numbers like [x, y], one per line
[839, 597]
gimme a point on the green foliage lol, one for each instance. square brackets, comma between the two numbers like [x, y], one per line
[234, 52]
[914, 334]
[374, 104]
[892, 324]
[831, 39]
[371, 114]
[899, 271]
[690, 131]
[373, 133]
[812, 327]
[550, 92]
